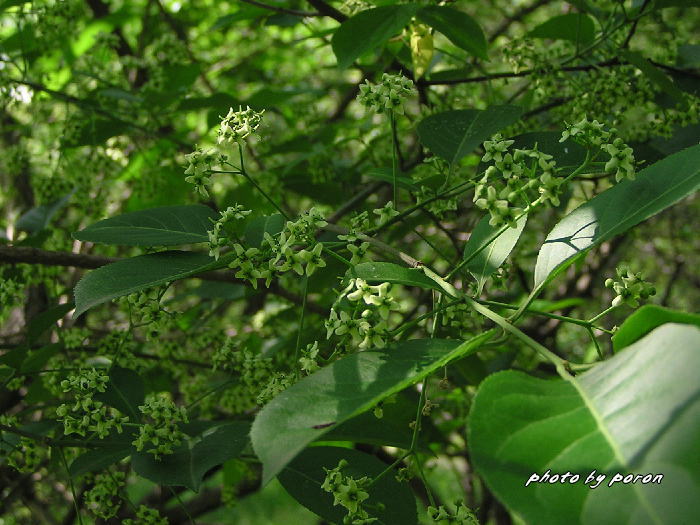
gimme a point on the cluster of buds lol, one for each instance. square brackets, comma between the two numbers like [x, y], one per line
[593, 134]
[102, 499]
[199, 166]
[387, 96]
[348, 492]
[163, 432]
[218, 238]
[236, 126]
[463, 515]
[87, 414]
[630, 288]
[146, 516]
[366, 325]
[515, 181]
[277, 255]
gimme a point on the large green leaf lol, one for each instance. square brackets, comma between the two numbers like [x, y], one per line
[454, 134]
[192, 460]
[256, 229]
[369, 29]
[462, 30]
[637, 413]
[138, 273]
[576, 27]
[385, 272]
[348, 387]
[97, 459]
[40, 217]
[616, 210]
[645, 320]
[165, 226]
[490, 255]
[303, 478]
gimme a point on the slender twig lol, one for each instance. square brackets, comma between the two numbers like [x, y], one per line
[283, 10]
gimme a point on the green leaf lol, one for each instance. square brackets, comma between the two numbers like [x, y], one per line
[303, 478]
[165, 226]
[368, 30]
[489, 259]
[386, 175]
[460, 28]
[36, 359]
[45, 320]
[98, 459]
[385, 272]
[455, 134]
[644, 320]
[638, 413]
[575, 27]
[40, 217]
[125, 392]
[193, 459]
[318, 403]
[616, 210]
[138, 273]
[254, 232]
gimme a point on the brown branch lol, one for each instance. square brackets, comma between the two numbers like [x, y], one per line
[328, 10]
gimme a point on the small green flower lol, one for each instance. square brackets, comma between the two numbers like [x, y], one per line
[236, 126]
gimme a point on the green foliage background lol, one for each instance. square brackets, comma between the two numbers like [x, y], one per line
[503, 355]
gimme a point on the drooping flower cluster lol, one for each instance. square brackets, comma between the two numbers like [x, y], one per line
[630, 288]
[236, 126]
[364, 323]
[103, 498]
[462, 515]
[277, 254]
[593, 134]
[218, 238]
[348, 492]
[515, 181]
[388, 95]
[87, 414]
[162, 432]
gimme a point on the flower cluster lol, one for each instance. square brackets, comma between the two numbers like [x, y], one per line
[146, 516]
[308, 362]
[277, 255]
[163, 432]
[103, 498]
[26, 456]
[593, 134]
[218, 238]
[386, 213]
[463, 515]
[88, 414]
[199, 166]
[515, 181]
[366, 323]
[147, 311]
[630, 288]
[236, 126]
[349, 492]
[389, 95]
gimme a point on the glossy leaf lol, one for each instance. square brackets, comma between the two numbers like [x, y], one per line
[460, 28]
[455, 134]
[318, 403]
[165, 226]
[616, 210]
[638, 412]
[645, 320]
[576, 27]
[368, 30]
[138, 273]
[490, 258]
[385, 272]
[303, 478]
[191, 461]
